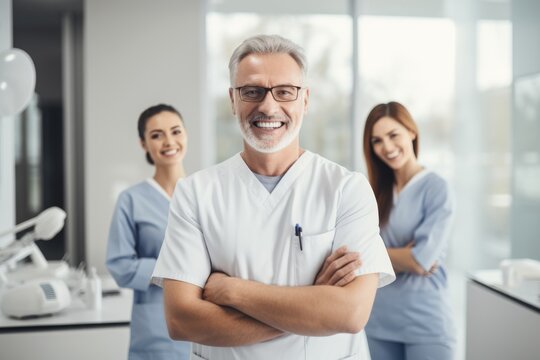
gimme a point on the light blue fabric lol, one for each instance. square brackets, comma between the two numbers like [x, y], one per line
[135, 237]
[269, 182]
[386, 350]
[415, 309]
[392, 350]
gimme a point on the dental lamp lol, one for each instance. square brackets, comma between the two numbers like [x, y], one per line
[36, 289]
[46, 225]
[17, 81]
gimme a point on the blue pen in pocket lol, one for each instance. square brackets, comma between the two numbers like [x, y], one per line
[298, 232]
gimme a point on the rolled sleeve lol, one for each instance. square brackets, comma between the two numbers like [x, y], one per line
[357, 227]
[431, 236]
[184, 255]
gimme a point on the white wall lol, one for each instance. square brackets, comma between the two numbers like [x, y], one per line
[136, 53]
[7, 146]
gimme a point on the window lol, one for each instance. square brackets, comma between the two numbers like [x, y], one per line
[453, 72]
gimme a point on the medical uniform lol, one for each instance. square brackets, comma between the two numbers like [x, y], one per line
[135, 238]
[414, 310]
[224, 219]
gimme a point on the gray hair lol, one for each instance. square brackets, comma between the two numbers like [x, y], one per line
[267, 44]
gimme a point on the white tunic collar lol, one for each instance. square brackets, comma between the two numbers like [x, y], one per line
[269, 200]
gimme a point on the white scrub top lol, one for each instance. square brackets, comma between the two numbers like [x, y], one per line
[223, 219]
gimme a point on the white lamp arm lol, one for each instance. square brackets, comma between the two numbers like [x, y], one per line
[37, 257]
[48, 223]
[24, 225]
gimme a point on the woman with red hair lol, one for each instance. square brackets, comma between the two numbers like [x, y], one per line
[411, 318]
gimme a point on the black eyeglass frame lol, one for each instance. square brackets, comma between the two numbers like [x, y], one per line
[266, 90]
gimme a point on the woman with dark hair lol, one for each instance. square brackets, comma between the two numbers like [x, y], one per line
[411, 318]
[138, 228]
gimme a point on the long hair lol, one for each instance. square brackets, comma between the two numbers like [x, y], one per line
[381, 176]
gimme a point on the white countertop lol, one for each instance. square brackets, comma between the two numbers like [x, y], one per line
[116, 310]
[527, 291]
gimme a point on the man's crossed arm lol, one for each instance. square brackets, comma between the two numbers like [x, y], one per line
[232, 312]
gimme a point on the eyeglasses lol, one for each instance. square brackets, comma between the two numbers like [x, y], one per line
[281, 93]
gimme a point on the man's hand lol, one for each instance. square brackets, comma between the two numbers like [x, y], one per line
[304, 310]
[216, 289]
[338, 268]
[191, 318]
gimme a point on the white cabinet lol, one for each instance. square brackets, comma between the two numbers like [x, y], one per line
[80, 343]
[501, 322]
[74, 333]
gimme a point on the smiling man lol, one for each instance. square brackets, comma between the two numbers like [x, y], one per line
[247, 265]
[269, 126]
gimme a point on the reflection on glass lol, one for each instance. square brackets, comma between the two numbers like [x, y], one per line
[494, 79]
[28, 160]
[527, 150]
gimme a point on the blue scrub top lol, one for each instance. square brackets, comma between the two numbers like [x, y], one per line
[414, 308]
[135, 237]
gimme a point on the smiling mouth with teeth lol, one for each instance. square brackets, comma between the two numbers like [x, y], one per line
[392, 155]
[169, 152]
[268, 124]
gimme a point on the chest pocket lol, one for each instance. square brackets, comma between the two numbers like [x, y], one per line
[308, 260]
